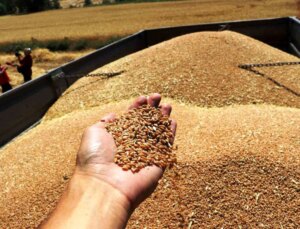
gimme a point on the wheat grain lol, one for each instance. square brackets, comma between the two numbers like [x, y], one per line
[143, 137]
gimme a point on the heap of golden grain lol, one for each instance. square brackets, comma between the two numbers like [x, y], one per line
[199, 68]
[238, 164]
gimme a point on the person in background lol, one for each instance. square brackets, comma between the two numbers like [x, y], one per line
[4, 79]
[25, 64]
[100, 194]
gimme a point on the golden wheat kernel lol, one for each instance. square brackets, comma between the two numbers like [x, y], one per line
[125, 167]
[143, 138]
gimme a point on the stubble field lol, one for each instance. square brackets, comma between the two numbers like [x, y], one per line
[103, 22]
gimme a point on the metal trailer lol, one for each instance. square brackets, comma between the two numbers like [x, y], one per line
[25, 105]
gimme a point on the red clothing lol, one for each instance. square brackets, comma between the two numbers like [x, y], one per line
[4, 79]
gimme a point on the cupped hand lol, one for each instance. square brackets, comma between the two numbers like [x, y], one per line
[95, 158]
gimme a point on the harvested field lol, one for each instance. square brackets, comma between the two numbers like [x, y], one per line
[108, 21]
[190, 69]
[237, 165]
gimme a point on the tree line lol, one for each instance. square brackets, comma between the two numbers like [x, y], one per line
[26, 6]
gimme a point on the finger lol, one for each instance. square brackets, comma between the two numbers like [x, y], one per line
[166, 109]
[142, 100]
[173, 129]
[109, 118]
[150, 175]
[154, 100]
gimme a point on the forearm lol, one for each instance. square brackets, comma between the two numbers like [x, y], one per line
[90, 203]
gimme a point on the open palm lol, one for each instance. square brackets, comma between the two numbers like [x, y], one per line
[96, 158]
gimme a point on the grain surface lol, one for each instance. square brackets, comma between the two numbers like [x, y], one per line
[284, 75]
[199, 68]
[234, 191]
[238, 159]
[228, 158]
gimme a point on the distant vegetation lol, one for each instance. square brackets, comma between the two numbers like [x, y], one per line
[27, 6]
[31, 6]
[65, 44]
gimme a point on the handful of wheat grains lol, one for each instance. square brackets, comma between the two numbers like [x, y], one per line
[143, 137]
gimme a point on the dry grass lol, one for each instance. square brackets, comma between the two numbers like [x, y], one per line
[188, 68]
[34, 169]
[107, 21]
[44, 60]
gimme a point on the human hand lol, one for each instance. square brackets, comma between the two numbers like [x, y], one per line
[101, 194]
[95, 158]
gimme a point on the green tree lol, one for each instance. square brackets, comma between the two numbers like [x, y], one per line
[27, 6]
[8, 6]
[87, 2]
[55, 4]
[37, 5]
[3, 9]
[22, 6]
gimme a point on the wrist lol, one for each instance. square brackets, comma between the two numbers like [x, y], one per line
[87, 183]
[90, 203]
[113, 206]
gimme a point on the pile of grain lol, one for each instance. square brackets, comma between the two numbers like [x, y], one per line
[200, 68]
[284, 75]
[234, 191]
[143, 137]
[236, 166]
